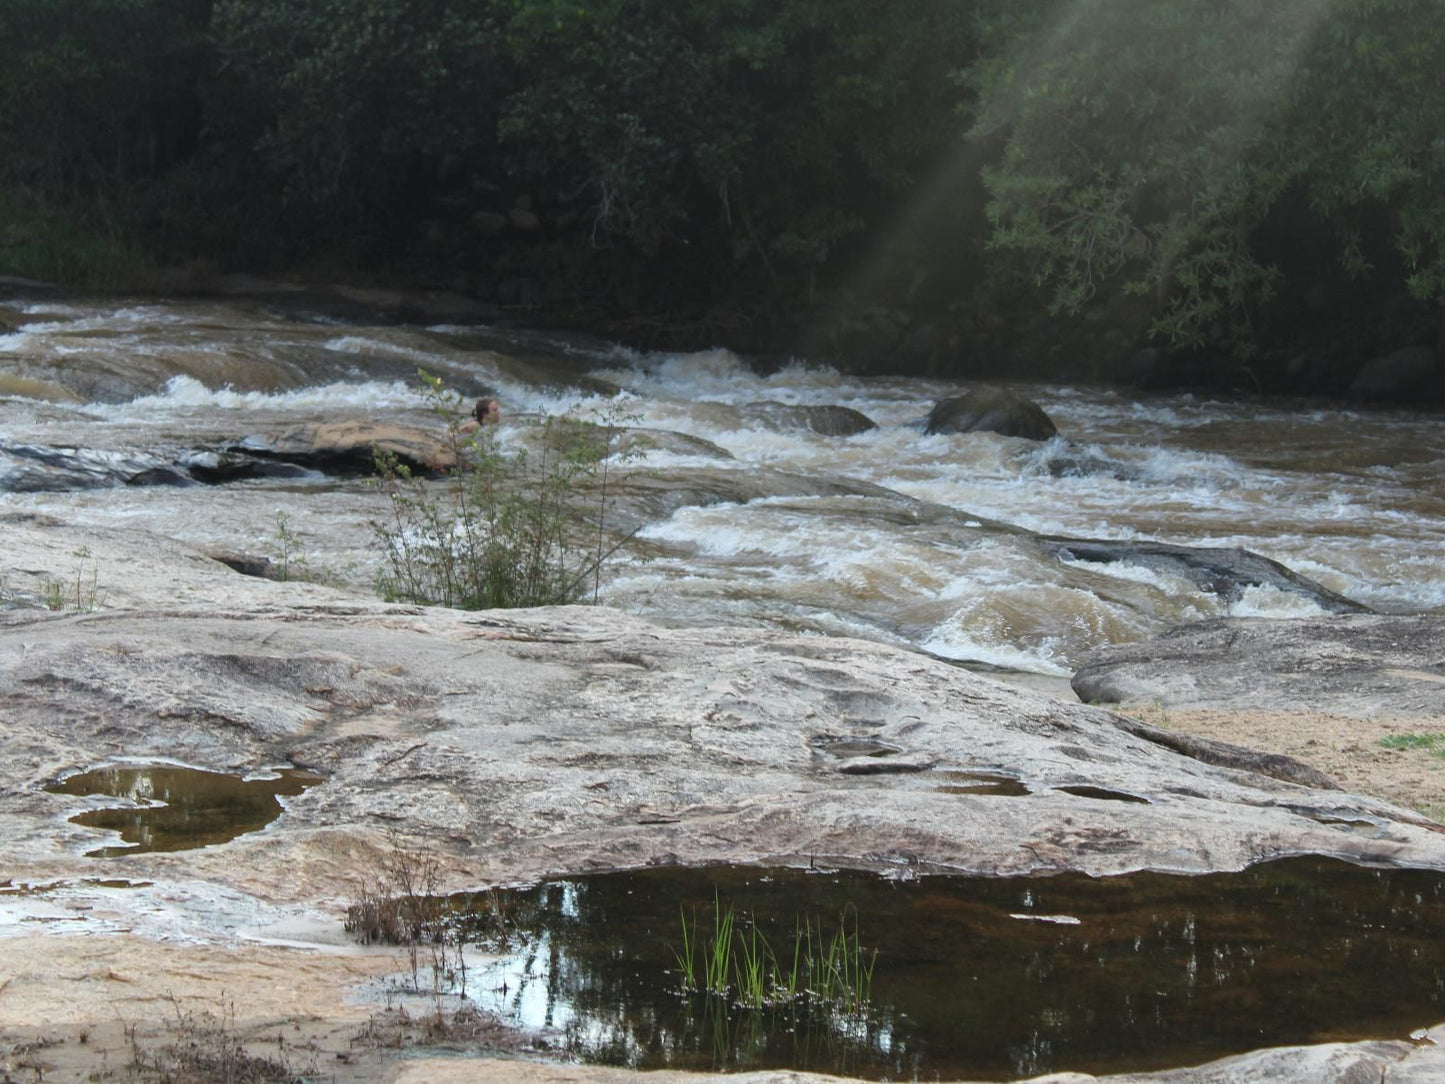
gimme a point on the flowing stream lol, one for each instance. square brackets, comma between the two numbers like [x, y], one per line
[889, 534]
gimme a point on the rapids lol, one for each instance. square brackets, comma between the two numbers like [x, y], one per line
[889, 534]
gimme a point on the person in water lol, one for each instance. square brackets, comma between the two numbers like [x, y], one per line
[486, 412]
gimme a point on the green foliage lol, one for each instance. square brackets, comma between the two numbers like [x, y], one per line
[738, 963]
[95, 94]
[83, 594]
[41, 241]
[1433, 743]
[1156, 144]
[501, 529]
[291, 560]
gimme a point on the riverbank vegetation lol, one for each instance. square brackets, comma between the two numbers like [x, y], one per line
[503, 527]
[958, 187]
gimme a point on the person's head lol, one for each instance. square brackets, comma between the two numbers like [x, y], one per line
[487, 411]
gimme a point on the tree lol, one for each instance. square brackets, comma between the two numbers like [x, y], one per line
[1156, 147]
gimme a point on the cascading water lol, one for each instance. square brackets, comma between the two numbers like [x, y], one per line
[889, 534]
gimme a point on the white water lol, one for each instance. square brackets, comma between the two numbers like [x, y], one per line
[1352, 499]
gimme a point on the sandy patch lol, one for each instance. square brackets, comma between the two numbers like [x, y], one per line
[1347, 749]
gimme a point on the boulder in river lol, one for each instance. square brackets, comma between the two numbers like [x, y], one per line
[1405, 372]
[350, 446]
[1221, 571]
[992, 410]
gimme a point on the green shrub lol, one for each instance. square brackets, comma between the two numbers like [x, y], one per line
[498, 530]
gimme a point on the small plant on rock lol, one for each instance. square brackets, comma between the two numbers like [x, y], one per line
[83, 595]
[400, 903]
[500, 529]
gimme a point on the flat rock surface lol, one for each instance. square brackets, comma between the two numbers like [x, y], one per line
[525, 743]
[515, 745]
[1360, 665]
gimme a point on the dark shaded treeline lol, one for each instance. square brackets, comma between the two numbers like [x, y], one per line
[1254, 192]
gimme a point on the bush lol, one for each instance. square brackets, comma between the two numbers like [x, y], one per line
[499, 530]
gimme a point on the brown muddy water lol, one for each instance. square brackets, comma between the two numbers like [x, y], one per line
[169, 808]
[980, 978]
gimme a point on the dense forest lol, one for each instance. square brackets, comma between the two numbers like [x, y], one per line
[1222, 192]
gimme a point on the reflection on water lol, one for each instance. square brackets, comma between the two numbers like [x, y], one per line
[179, 809]
[984, 978]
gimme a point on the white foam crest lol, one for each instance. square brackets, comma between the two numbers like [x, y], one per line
[961, 647]
[704, 374]
[361, 345]
[186, 392]
[1126, 570]
[714, 531]
[1266, 601]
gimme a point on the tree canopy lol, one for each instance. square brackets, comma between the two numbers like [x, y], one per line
[1226, 179]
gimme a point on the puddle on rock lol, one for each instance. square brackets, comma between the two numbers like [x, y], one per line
[1101, 794]
[179, 809]
[25, 888]
[995, 783]
[979, 978]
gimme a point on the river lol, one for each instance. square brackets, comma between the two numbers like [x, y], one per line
[889, 534]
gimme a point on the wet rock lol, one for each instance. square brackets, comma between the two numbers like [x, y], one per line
[350, 447]
[512, 745]
[37, 468]
[828, 421]
[246, 564]
[523, 219]
[216, 468]
[636, 441]
[1218, 571]
[1397, 375]
[991, 410]
[1073, 461]
[1355, 665]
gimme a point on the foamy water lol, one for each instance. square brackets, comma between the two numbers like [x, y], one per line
[1352, 499]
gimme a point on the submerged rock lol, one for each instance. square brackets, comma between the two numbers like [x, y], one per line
[991, 410]
[1225, 572]
[828, 421]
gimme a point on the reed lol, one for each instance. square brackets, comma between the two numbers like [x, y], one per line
[738, 963]
[721, 953]
[687, 957]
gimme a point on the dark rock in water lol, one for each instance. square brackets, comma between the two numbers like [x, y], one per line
[991, 410]
[1217, 571]
[245, 563]
[1362, 665]
[1076, 462]
[215, 468]
[829, 421]
[1397, 375]
[350, 447]
[39, 468]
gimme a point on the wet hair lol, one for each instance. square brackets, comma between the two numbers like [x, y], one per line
[484, 407]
